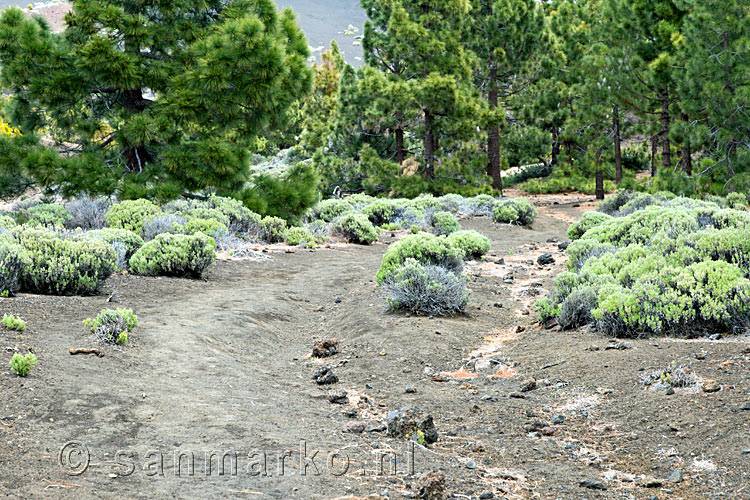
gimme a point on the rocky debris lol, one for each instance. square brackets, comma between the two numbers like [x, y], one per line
[500, 262]
[411, 422]
[520, 328]
[670, 391]
[547, 431]
[517, 395]
[563, 246]
[618, 346]
[324, 375]
[699, 356]
[338, 398]
[648, 482]
[528, 385]
[377, 428]
[486, 495]
[676, 476]
[710, 385]
[354, 427]
[558, 419]
[745, 407]
[431, 486]
[325, 348]
[544, 259]
[535, 426]
[592, 485]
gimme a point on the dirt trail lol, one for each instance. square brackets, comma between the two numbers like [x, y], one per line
[224, 365]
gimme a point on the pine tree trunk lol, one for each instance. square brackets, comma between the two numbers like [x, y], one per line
[666, 153]
[599, 176]
[654, 140]
[686, 160]
[493, 138]
[618, 151]
[429, 145]
[555, 147]
[400, 153]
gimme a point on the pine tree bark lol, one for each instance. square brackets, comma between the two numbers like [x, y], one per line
[666, 153]
[599, 176]
[429, 146]
[686, 153]
[493, 138]
[555, 147]
[618, 151]
[400, 153]
[654, 140]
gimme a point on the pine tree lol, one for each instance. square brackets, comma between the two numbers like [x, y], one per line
[152, 99]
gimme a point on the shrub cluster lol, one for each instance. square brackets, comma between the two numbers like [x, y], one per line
[425, 289]
[131, 214]
[112, 326]
[472, 244]
[518, 211]
[656, 265]
[444, 223]
[176, 255]
[13, 323]
[356, 228]
[299, 236]
[425, 248]
[14, 260]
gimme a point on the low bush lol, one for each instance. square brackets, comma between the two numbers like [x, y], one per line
[131, 214]
[444, 223]
[6, 222]
[13, 261]
[546, 309]
[425, 248]
[12, 323]
[87, 213]
[328, 210]
[586, 222]
[272, 229]
[47, 215]
[514, 211]
[356, 228]
[240, 219]
[381, 211]
[22, 364]
[167, 223]
[211, 227]
[177, 255]
[299, 236]
[112, 326]
[425, 289]
[64, 267]
[472, 244]
[130, 241]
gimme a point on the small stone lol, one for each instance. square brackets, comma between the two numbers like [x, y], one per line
[746, 452]
[517, 395]
[715, 336]
[355, 427]
[500, 262]
[563, 245]
[528, 385]
[558, 419]
[710, 386]
[699, 355]
[648, 482]
[377, 428]
[676, 476]
[525, 311]
[324, 375]
[520, 329]
[745, 407]
[432, 485]
[410, 389]
[544, 259]
[337, 300]
[546, 431]
[486, 495]
[410, 421]
[498, 305]
[471, 464]
[670, 391]
[592, 485]
[338, 398]
[535, 435]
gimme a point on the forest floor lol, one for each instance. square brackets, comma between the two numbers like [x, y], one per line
[223, 366]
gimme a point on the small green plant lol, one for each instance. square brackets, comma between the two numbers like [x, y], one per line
[518, 211]
[22, 364]
[472, 244]
[356, 228]
[392, 226]
[131, 214]
[13, 323]
[328, 210]
[414, 229]
[425, 248]
[444, 223]
[48, 215]
[299, 236]
[272, 229]
[112, 326]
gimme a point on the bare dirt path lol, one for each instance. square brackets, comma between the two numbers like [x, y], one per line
[223, 366]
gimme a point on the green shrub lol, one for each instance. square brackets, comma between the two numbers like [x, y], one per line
[612, 204]
[175, 255]
[425, 201]
[112, 326]
[359, 200]
[425, 289]
[737, 201]
[425, 248]
[206, 213]
[414, 229]
[241, 219]
[272, 229]
[64, 267]
[444, 223]
[299, 236]
[356, 228]
[514, 211]
[6, 222]
[546, 309]
[12, 323]
[328, 210]
[47, 215]
[131, 214]
[22, 364]
[579, 251]
[587, 221]
[211, 227]
[167, 223]
[13, 261]
[470, 242]
[452, 203]
[381, 211]
[131, 241]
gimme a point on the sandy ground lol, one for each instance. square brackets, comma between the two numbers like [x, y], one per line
[224, 366]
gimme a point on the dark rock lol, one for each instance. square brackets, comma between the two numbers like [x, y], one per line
[670, 391]
[498, 305]
[745, 407]
[324, 375]
[517, 395]
[699, 355]
[337, 300]
[546, 431]
[377, 428]
[431, 486]
[558, 419]
[618, 346]
[528, 385]
[551, 323]
[350, 412]
[564, 245]
[592, 485]
[536, 425]
[354, 427]
[338, 398]
[411, 421]
[544, 259]
[325, 348]
[486, 495]
[500, 262]
[553, 240]
[746, 452]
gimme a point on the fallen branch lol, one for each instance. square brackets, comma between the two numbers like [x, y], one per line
[98, 353]
[553, 364]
